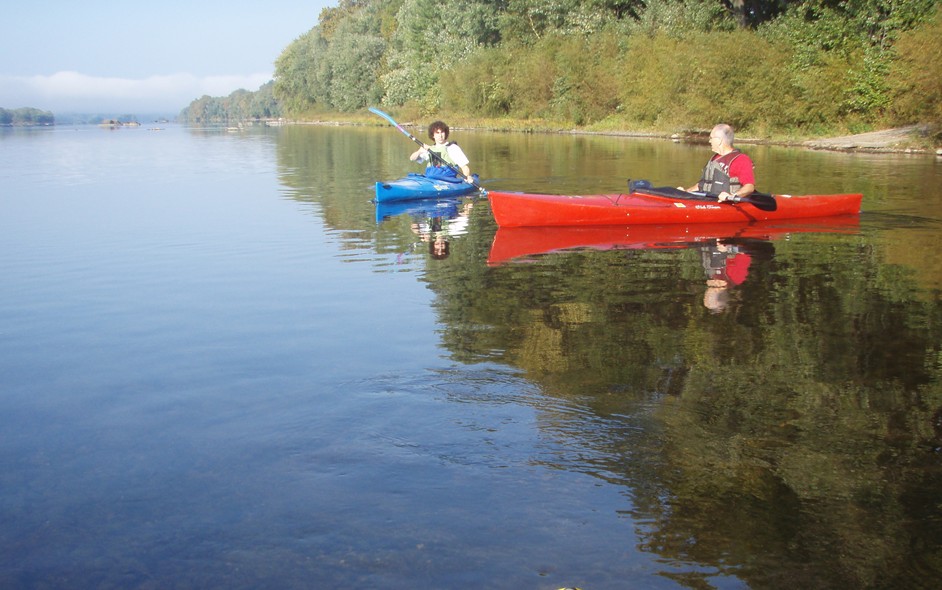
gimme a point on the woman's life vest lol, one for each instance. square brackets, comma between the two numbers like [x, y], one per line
[442, 151]
[435, 169]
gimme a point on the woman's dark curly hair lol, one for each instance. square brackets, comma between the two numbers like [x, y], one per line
[436, 126]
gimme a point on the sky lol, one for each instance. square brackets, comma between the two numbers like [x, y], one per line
[106, 56]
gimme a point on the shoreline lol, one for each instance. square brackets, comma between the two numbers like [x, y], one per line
[899, 140]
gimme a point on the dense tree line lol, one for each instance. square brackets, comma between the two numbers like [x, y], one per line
[25, 117]
[241, 105]
[767, 66]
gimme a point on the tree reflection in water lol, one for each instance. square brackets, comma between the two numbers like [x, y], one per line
[791, 439]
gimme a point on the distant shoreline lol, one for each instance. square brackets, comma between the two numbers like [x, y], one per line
[901, 140]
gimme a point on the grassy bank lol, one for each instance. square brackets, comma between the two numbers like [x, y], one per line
[914, 138]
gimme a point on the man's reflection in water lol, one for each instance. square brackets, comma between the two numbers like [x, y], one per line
[726, 263]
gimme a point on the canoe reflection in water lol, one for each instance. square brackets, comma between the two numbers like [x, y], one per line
[728, 250]
[435, 222]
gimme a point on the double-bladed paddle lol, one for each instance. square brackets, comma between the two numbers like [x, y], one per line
[431, 153]
[761, 201]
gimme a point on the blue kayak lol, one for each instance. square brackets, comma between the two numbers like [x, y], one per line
[417, 186]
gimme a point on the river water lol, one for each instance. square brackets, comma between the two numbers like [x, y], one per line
[221, 366]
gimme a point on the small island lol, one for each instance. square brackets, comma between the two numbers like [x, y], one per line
[26, 117]
[33, 117]
[115, 123]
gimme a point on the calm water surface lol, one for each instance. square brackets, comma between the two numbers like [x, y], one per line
[222, 367]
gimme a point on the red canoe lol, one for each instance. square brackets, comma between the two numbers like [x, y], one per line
[516, 243]
[513, 209]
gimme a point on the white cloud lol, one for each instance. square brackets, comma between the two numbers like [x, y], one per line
[76, 92]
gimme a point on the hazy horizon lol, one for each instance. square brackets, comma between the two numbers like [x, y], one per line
[104, 56]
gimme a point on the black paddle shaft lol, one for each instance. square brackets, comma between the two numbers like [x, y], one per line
[761, 201]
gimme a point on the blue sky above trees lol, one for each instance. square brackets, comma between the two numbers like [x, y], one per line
[131, 57]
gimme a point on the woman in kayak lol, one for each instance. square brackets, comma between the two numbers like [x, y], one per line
[729, 173]
[448, 155]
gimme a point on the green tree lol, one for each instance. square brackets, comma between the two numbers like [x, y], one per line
[847, 49]
[530, 20]
[353, 61]
[432, 37]
[815, 66]
[298, 73]
[337, 64]
[916, 79]
[264, 105]
[241, 105]
[680, 18]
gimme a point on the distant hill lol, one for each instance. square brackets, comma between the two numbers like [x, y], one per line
[25, 117]
[32, 117]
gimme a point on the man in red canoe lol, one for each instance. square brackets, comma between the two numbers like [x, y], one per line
[729, 173]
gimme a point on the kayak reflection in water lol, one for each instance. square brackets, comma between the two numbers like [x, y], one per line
[725, 265]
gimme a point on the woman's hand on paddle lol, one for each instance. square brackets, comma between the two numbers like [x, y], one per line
[419, 154]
